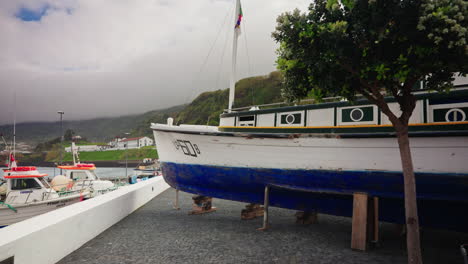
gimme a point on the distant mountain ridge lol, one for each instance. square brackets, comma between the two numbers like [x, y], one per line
[205, 109]
[98, 129]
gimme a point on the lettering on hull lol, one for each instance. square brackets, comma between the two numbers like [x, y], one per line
[187, 147]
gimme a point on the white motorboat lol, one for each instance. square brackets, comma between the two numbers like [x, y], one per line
[28, 194]
[82, 176]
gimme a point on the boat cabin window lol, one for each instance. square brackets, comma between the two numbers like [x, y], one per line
[44, 182]
[78, 175]
[21, 184]
[247, 120]
[287, 119]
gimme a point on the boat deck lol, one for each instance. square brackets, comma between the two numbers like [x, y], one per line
[156, 233]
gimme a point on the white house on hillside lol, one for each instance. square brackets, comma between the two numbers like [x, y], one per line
[85, 148]
[133, 143]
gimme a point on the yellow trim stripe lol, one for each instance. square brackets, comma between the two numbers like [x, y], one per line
[352, 126]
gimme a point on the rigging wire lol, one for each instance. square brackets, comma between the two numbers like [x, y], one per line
[222, 60]
[248, 60]
[194, 90]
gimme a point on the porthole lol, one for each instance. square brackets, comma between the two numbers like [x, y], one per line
[356, 115]
[290, 119]
[455, 115]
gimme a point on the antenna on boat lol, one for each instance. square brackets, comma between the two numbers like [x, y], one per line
[14, 127]
[237, 21]
[75, 155]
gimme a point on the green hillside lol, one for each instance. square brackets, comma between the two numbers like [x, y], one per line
[131, 154]
[207, 107]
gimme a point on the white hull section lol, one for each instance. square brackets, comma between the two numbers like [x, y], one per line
[23, 212]
[430, 154]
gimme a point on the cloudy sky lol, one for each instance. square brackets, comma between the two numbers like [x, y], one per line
[97, 58]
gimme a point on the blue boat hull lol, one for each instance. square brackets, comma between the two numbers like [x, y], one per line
[442, 198]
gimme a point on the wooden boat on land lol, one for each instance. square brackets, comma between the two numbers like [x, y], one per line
[315, 157]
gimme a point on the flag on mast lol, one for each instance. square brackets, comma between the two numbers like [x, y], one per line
[239, 19]
[12, 163]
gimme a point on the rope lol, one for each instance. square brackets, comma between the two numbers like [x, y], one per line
[222, 59]
[9, 206]
[208, 55]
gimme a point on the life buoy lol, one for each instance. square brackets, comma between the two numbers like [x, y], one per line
[24, 168]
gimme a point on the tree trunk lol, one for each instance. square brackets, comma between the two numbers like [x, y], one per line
[411, 208]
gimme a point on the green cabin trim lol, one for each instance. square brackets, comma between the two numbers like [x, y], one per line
[432, 127]
[463, 93]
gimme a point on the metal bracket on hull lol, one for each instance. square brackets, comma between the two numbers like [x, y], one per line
[176, 205]
[266, 203]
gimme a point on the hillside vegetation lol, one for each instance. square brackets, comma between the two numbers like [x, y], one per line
[110, 155]
[207, 107]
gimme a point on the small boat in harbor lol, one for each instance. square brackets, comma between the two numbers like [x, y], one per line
[27, 194]
[82, 176]
[148, 168]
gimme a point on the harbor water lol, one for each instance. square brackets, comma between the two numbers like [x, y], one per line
[100, 172]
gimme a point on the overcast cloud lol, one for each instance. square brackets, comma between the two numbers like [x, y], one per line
[96, 58]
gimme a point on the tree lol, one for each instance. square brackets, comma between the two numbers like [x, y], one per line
[69, 133]
[376, 48]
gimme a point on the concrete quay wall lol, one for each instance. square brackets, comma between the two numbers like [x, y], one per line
[50, 237]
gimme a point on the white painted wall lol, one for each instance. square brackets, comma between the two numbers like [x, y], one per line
[226, 121]
[50, 237]
[320, 117]
[416, 117]
[133, 144]
[266, 120]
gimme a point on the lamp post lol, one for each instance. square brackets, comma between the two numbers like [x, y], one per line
[61, 137]
[126, 155]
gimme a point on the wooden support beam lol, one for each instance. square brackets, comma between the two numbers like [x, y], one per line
[373, 220]
[252, 211]
[306, 218]
[359, 222]
[376, 220]
[202, 205]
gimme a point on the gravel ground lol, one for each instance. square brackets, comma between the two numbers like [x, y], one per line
[156, 233]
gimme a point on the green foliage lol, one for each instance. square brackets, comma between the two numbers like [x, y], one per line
[207, 107]
[111, 155]
[365, 46]
[68, 135]
[48, 145]
[157, 116]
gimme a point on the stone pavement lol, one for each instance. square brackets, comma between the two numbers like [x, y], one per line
[156, 233]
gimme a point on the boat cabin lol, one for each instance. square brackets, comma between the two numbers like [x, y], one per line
[80, 172]
[82, 175]
[433, 112]
[26, 184]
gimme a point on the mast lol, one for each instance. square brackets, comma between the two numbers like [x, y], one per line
[232, 86]
[14, 127]
[73, 152]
